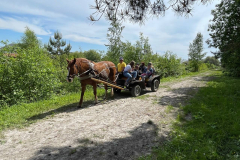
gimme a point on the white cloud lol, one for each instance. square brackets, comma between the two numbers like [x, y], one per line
[20, 26]
[78, 38]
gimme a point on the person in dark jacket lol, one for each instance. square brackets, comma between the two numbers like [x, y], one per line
[142, 68]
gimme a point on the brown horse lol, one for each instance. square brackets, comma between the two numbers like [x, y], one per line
[85, 69]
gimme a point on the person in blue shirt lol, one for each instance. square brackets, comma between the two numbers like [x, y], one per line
[149, 71]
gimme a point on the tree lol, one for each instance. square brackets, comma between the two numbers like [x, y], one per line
[55, 46]
[195, 52]
[92, 55]
[212, 60]
[144, 49]
[115, 45]
[225, 35]
[29, 40]
[137, 10]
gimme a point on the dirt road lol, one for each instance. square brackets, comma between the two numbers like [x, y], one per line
[124, 128]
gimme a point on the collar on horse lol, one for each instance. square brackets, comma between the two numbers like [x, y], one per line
[88, 75]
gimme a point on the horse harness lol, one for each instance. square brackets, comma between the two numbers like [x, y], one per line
[89, 73]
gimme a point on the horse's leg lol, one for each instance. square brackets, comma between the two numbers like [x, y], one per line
[82, 94]
[106, 88]
[112, 93]
[95, 92]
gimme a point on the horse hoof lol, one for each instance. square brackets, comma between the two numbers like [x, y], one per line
[79, 107]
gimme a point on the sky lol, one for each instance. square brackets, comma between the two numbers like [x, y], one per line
[169, 33]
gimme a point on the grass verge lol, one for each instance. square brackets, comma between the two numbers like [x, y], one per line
[213, 132]
[21, 115]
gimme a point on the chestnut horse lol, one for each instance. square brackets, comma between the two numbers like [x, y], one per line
[85, 69]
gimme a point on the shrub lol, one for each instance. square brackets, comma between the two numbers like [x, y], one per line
[169, 65]
[203, 66]
[28, 77]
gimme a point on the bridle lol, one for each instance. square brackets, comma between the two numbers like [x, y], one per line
[78, 70]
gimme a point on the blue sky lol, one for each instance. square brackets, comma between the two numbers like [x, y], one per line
[44, 17]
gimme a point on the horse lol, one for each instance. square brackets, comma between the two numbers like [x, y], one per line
[85, 69]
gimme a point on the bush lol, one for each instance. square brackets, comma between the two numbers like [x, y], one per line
[203, 66]
[28, 77]
[169, 65]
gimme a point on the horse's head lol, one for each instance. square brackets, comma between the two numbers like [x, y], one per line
[72, 70]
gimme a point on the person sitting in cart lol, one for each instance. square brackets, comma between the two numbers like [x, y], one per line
[129, 73]
[149, 71]
[142, 68]
[136, 68]
[121, 65]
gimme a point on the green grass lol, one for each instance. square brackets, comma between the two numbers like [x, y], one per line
[143, 97]
[213, 132]
[21, 115]
[168, 109]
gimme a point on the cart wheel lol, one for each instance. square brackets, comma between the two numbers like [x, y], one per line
[155, 85]
[136, 90]
[117, 90]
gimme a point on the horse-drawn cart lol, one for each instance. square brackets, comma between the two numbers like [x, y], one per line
[135, 87]
[138, 85]
[91, 73]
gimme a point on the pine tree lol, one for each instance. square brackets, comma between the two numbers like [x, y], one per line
[137, 11]
[55, 46]
[195, 52]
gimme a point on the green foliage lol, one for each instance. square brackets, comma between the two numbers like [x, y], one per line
[144, 49]
[92, 55]
[225, 35]
[203, 66]
[115, 44]
[29, 40]
[55, 46]
[28, 77]
[169, 65]
[195, 52]
[211, 60]
[213, 132]
[130, 52]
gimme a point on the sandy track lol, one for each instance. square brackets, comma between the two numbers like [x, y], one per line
[124, 128]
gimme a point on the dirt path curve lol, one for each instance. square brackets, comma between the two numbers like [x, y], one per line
[124, 128]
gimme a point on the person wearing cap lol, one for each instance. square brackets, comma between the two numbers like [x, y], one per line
[129, 72]
[121, 65]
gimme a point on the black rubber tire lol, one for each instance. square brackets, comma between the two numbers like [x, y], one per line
[136, 90]
[117, 90]
[155, 85]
